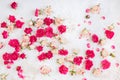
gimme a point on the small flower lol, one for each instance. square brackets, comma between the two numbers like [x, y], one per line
[25, 41]
[6, 62]
[14, 56]
[28, 30]
[72, 67]
[32, 39]
[63, 69]
[48, 21]
[31, 47]
[95, 38]
[49, 32]
[84, 33]
[45, 69]
[53, 45]
[60, 60]
[88, 64]
[62, 28]
[18, 68]
[80, 71]
[37, 12]
[42, 56]
[55, 51]
[90, 53]
[12, 18]
[3, 76]
[31, 23]
[6, 56]
[111, 27]
[77, 60]
[109, 34]
[11, 27]
[19, 24]
[58, 21]
[105, 64]
[104, 53]
[3, 25]
[39, 23]
[39, 48]
[40, 33]
[5, 34]
[87, 10]
[48, 10]
[75, 51]
[49, 55]
[13, 5]
[102, 42]
[44, 42]
[1, 45]
[14, 43]
[22, 56]
[95, 9]
[69, 58]
[63, 52]
[97, 71]
[25, 38]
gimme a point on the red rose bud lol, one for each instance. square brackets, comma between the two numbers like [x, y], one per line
[14, 5]
[63, 69]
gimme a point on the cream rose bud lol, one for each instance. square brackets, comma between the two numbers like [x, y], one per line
[10, 28]
[25, 38]
[39, 23]
[97, 71]
[53, 45]
[95, 9]
[111, 27]
[85, 33]
[75, 51]
[24, 44]
[54, 51]
[72, 67]
[44, 42]
[58, 21]
[30, 23]
[1, 45]
[69, 58]
[61, 60]
[102, 42]
[48, 10]
[32, 46]
[80, 71]
[45, 69]
[3, 76]
[104, 53]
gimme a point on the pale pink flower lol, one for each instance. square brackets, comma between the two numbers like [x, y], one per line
[95, 9]
[80, 71]
[39, 23]
[48, 10]
[25, 41]
[58, 21]
[69, 58]
[104, 53]
[10, 28]
[1, 45]
[97, 71]
[61, 60]
[45, 69]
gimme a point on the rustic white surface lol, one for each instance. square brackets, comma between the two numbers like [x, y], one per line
[73, 13]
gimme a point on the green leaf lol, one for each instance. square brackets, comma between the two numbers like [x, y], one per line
[112, 55]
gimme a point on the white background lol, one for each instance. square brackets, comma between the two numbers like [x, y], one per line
[73, 11]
